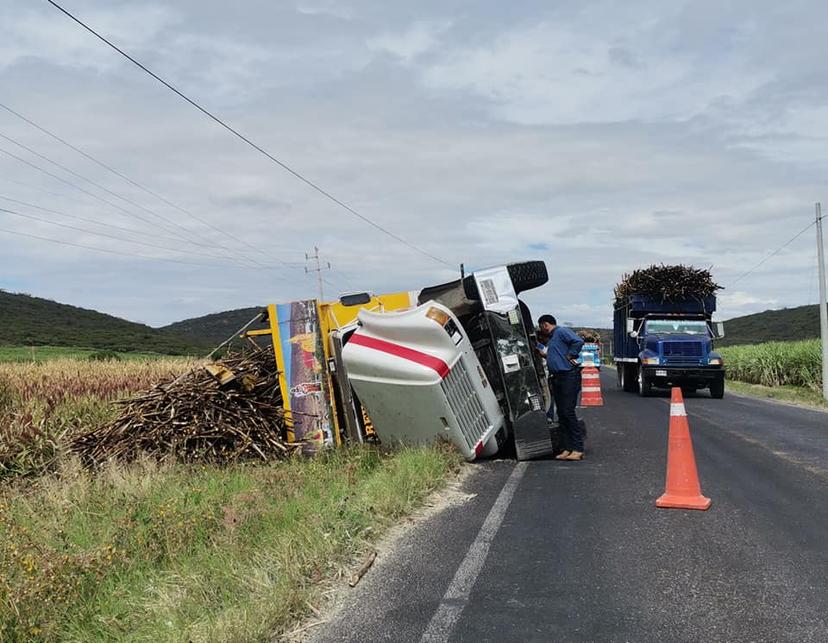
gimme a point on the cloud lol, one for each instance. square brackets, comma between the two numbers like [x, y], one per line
[596, 137]
[44, 34]
[414, 41]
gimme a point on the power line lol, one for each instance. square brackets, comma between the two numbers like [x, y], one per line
[116, 195]
[129, 180]
[109, 236]
[106, 250]
[87, 192]
[86, 219]
[774, 253]
[242, 137]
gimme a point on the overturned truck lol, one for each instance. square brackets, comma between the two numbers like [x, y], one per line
[454, 361]
[460, 364]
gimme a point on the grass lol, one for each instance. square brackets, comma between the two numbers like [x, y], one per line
[173, 552]
[150, 553]
[49, 353]
[776, 363]
[792, 394]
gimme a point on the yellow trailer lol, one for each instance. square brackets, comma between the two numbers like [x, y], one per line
[307, 338]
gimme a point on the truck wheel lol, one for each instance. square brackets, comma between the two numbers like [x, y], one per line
[629, 382]
[527, 275]
[645, 387]
[717, 389]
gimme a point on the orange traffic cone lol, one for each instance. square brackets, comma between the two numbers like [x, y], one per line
[591, 387]
[683, 490]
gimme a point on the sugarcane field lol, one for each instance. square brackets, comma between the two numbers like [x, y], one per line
[331, 321]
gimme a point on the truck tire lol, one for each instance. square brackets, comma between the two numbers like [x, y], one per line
[629, 381]
[717, 389]
[645, 387]
[525, 275]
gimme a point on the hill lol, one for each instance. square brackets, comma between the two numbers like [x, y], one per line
[32, 321]
[785, 324]
[213, 329]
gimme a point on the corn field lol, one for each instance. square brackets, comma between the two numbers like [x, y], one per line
[41, 404]
[776, 363]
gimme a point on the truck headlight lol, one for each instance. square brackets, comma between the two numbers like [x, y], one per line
[715, 361]
[651, 360]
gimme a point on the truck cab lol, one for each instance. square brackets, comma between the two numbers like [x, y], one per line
[460, 364]
[665, 344]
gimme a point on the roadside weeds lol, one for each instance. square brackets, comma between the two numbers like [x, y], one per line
[152, 552]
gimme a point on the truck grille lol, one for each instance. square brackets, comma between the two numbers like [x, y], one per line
[682, 352]
[465, 404]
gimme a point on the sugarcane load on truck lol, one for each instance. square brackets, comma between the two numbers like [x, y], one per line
[663, 330]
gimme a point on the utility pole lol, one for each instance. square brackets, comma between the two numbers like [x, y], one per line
[318, 270]
[823, 311]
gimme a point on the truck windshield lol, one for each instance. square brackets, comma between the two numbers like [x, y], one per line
[676, 327]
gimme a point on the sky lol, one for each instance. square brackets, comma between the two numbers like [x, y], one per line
[597, 136]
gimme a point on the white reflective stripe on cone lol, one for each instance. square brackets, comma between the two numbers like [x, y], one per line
[591, 389]
[677, 409]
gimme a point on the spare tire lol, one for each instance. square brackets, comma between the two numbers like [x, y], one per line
[525, 275]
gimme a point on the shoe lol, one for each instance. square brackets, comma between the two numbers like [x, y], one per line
[574, 455]
[563, 455]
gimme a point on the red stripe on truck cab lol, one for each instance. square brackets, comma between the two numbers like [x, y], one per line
[424, 359]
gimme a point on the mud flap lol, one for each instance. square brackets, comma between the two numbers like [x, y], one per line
[532, 438]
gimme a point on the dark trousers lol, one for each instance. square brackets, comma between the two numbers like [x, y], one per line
[567, 386]
[550, 412]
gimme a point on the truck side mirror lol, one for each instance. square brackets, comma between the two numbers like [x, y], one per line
[630, 326]
[720, 330]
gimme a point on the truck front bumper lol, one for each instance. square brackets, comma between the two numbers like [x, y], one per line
[700, 376]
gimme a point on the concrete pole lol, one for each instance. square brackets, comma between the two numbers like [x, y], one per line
[823, 310]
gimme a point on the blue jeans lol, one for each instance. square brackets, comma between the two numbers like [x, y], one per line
[567, 386]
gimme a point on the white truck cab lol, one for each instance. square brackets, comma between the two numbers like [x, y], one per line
[417, 374]
[460, 364]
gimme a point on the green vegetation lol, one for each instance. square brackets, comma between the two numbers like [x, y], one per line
[48, 353]
[773, 325]
[31, 321]
[149, 553]
[214, 329]
[173, 552]
[776, 364]
[792, 394]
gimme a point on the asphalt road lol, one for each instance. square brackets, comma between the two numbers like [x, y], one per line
[577, 551]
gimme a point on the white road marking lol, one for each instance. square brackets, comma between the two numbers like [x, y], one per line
[456, 597]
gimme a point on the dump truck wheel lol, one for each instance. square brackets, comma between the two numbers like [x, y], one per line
[524, 275]
[527, 275]
[629, 381]
[645, 387]
[717, 389]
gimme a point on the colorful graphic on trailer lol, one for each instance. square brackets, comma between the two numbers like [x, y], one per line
[301, 344]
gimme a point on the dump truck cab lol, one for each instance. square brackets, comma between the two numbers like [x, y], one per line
[460, 364]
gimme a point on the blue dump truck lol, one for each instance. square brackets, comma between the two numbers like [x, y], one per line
[667, 343]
